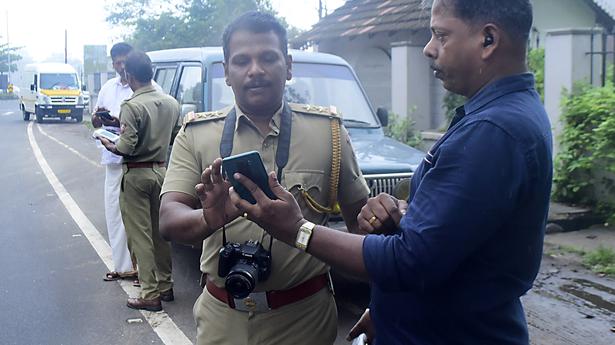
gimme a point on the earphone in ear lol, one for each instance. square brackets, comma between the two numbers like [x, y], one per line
[488, 41]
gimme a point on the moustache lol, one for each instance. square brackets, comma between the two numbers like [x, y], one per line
[257, 83]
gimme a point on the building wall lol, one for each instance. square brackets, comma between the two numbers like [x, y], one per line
[558, 14]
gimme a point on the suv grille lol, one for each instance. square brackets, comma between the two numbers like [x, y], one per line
[384, 183]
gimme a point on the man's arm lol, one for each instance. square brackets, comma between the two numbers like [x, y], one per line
[181, 218]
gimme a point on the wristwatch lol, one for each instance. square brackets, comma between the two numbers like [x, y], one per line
[304, 235]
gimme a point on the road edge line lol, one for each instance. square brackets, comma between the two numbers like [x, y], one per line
[160, 322]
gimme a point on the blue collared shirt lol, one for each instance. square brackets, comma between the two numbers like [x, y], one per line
[471, 241]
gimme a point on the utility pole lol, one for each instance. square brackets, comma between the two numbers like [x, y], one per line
[65, 46]
[320, 8]
[8, 50]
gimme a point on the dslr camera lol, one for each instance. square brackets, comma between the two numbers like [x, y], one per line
[243, 265]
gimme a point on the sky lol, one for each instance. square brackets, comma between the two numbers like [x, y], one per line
[39, 25]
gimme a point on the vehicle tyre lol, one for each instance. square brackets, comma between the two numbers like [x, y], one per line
[39, 118]
[26, 115]
[79, 118]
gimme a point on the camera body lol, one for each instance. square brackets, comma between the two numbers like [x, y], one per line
[243, 265]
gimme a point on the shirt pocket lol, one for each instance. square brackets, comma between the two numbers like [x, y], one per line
[312, 182]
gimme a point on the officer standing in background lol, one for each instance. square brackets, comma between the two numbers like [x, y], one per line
[293, 305]
[148, 120]
[110, 97]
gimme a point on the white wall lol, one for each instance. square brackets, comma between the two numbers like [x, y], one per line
[557, 14]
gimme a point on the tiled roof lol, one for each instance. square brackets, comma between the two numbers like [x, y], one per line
[608, 6]
[360, 17]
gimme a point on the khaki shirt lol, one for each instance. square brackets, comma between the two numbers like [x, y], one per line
[147, 120]
[309, 165]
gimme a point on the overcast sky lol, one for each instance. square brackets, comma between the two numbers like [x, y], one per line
[38, 25]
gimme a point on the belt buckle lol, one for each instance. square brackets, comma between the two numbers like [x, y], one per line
[255, 302]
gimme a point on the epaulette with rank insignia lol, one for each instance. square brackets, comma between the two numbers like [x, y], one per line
[193, 117]
[330, 111]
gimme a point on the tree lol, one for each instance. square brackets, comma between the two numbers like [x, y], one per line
[188, 23]
[5, 53]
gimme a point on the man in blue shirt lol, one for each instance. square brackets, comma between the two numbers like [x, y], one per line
[468, 241]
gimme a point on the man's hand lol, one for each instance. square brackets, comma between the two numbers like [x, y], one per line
[98, 121]
[381, 214]
[218, 209]
[107, 144]
[364, 325]
[281, 218]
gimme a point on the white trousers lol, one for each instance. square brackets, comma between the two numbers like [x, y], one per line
[113, 215]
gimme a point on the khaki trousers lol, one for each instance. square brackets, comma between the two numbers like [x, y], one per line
[311, 321]
[140, 205]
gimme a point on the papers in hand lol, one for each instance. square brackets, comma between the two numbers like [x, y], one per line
[105, 134]
[360, 340]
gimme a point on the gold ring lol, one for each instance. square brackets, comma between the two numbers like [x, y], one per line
[372, 220]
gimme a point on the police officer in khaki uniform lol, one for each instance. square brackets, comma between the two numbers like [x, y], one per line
[148, 121]
[302, 144]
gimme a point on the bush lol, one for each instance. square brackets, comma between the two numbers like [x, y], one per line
[585, 165]
[402, 129]
[536, 65]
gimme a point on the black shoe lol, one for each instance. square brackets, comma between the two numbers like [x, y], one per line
[167, 296]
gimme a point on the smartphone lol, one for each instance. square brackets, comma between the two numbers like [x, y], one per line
[250, 165]
[105, 134]
[105, 114]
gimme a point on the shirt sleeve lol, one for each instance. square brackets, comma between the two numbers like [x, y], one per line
[184, 170]
[460, 203]
[129, 136]
[352, 185]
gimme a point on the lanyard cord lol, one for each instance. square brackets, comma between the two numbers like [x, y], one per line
[281, 154]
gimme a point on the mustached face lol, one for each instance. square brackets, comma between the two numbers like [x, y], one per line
[257, 71]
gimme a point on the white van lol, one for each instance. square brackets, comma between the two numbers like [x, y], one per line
[55, 91]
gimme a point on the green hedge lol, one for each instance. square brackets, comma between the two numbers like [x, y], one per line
[585, 164]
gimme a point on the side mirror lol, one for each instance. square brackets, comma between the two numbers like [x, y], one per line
[383, 116]
[32, 87]
[84, 88]
[185, 109]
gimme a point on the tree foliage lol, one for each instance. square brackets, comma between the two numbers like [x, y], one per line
[5, 52]
[155, 24]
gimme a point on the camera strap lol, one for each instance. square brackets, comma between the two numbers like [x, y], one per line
[282, 152]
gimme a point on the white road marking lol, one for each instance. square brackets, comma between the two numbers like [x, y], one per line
[8, 113]
[94, 163]
[162, 324]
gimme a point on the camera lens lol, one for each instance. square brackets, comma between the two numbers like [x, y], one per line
[241, 281]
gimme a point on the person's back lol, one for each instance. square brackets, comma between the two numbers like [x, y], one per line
[155, 114]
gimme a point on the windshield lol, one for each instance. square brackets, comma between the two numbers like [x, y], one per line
[315, 84]
[59, 81]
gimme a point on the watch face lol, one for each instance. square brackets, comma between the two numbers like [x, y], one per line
[304, 235]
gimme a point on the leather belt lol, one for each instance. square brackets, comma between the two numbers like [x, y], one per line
[263, 301]
[135, 165]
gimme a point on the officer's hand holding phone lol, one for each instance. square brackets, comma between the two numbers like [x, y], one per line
[213, 194]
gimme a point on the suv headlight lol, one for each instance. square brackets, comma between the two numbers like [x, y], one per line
[401, 190]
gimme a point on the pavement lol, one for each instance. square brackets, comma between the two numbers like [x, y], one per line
[577, 227]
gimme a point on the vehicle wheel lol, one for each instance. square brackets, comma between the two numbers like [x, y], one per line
[79, 118]
[26, 115]
[39, 118]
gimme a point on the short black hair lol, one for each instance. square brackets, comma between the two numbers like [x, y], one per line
[514, 16]
[139, 65]
[257, 22]
[120, 49]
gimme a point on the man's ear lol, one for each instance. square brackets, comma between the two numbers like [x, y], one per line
[228, 83]
[289, 67]
[491, 36]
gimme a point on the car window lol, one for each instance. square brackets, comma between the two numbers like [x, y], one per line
[164, 77]
[190, 89]
[59, 81]
[312, 83]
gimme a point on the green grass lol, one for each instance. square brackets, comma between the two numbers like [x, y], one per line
[88, 124]
[601, 260]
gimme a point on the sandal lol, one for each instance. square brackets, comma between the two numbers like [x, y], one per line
[112, 276]
[136, 283]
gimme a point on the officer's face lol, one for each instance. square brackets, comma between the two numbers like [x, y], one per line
[257, 71]
[455, 49]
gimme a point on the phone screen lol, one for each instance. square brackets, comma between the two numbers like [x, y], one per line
[250, 165]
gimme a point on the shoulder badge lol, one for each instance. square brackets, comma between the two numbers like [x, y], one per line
[330, 111]
[193, 117]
